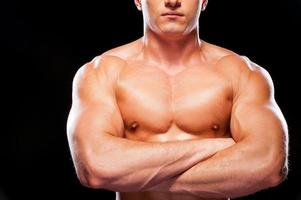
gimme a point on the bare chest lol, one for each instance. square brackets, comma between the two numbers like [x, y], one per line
[195, 102]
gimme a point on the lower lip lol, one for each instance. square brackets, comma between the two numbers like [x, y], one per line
[172, 16]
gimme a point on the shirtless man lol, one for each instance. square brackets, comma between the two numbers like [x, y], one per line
[170, 116]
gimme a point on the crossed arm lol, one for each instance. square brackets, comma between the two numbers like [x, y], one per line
[257, 161]
[206, 168]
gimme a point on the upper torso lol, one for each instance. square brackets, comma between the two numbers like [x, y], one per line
[159, 105]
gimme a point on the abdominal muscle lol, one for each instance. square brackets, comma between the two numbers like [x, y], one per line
[173, 134]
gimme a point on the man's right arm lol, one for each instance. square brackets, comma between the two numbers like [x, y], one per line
[102, 157]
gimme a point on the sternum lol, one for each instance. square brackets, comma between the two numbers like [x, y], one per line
[171, 86]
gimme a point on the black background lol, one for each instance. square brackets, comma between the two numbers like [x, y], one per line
[44, 42]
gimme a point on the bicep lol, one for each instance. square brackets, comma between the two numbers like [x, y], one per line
[94, 107]
[262, 123]
[256, 115]
[92, 120]
[94, 114]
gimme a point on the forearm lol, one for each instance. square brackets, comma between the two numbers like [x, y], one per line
[237, 171]
[128, 165]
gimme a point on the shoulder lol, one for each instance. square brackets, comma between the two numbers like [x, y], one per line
[96, 78]
[243, 73]
[248, 77]
[239, 65]
[247, 69]
[112, 61]
[104, 69]
[226, 58]
[101, 67]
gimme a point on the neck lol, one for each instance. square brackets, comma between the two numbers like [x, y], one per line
[170, 50]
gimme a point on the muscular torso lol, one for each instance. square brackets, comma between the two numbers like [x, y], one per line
[158, 106]
[155, 106]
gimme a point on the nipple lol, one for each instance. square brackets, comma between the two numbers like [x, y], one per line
[133, 126]
[215, 127]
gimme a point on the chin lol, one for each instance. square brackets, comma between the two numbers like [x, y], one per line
[171, 35]
[172, 30]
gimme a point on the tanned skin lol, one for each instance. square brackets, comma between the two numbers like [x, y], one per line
[172, 117]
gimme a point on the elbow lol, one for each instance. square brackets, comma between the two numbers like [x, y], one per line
[277, 171]
[92, 181]
[278, 176]
[92, 177]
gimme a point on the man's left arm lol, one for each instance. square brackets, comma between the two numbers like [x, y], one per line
[257, 161]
